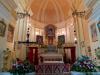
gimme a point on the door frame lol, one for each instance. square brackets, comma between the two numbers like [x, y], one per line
[73, 53]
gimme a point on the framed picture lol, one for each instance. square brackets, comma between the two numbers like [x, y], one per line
[61, 39]
[93, 32]
[98, 25]
[2, 28]
[10, 33]
[50, 30]
[39, 39]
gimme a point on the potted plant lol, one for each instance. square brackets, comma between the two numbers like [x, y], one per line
[17, 70]
[83, 66]
[29, 68]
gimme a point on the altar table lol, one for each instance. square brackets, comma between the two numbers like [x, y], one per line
[51, 69]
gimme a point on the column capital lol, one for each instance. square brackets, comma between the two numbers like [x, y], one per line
[78, 13]
[21, 15]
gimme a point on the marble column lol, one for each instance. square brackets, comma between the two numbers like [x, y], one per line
[66, 33]
[20, 35]
[78, 17]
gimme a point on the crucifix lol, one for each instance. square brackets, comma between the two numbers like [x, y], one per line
[27, 42]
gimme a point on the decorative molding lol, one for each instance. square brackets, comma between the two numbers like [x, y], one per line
[90, 8]
[61, 14]
[2, 28]
[88, 13]
[95, 12]
[29, 4]
[10, 6]
[40, 8]
[92, 3]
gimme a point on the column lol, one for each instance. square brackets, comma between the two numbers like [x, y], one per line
[78, 17]
[20, 29]
[66, 33]
[20, 35]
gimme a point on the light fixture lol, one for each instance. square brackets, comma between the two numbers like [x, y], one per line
[75, 40]
[37, 33]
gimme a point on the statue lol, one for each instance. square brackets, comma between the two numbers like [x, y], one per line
[6, 60]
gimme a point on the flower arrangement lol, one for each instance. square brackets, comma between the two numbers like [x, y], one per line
[22, 67]
[84, 64]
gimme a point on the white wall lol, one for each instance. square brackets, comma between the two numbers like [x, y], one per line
[95, 17]
[66, 28]
[4, 14]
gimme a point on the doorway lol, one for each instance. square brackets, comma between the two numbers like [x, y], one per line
[70, 53]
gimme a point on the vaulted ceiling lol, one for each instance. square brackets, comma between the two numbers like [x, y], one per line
[50, 11]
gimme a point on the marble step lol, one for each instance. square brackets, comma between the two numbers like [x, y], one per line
[7, 73]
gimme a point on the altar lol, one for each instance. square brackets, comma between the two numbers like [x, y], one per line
[52, 58]
[52, 49]
[51, 69]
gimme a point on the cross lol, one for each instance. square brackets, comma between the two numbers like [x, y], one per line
[27, 42]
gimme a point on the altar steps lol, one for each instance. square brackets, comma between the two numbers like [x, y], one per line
[55, 74]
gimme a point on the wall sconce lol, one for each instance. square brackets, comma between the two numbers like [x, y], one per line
[75, 40]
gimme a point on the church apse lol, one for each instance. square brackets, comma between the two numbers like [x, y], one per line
[50, 34]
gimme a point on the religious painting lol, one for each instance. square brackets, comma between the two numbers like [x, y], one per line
[2, 28]
[98, 25]
[50, 30]
[61, 39]
[93, 32]
[39, 39]
[10, 33]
